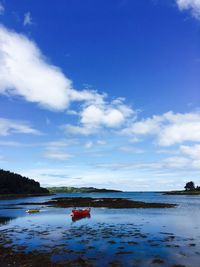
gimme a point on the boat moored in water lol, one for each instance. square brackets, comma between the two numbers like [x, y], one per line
[80, 212]
[32, 211]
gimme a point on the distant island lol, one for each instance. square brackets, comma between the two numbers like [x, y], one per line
[190, 189]
[14, 184]
[68, 189]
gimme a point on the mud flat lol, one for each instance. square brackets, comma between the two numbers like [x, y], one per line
[9, 257]
[79, 246]
[114, 203]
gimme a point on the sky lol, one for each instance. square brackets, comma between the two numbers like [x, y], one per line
[101, 93]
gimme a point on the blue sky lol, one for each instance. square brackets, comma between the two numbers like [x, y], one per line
[101, 93]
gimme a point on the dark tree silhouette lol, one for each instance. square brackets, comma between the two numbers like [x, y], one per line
[12, 183]
[190, 186]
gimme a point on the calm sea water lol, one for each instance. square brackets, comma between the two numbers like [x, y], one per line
[132, 237]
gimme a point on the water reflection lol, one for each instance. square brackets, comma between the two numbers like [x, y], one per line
[80, 217]
[171, 236]
[5, 220]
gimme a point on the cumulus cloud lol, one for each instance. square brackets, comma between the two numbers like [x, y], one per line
[27, 19]
[192, 5]
[169, 128]
[24, 71]
[12, 126]
[2, 9]
[97, 115]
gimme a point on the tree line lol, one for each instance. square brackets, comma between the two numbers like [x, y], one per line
[190, 186]
[13, 183]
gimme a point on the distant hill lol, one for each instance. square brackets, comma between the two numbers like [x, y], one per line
[80, 190]
[13, 183]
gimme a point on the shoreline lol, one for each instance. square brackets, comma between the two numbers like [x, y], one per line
[181, 193]
[81, 190]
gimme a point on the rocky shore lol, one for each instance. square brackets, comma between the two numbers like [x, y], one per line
[114, 203]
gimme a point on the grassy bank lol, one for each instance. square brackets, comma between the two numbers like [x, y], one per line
[68, 189]
[183, 192]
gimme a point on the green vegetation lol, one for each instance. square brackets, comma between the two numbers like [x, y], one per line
[190, 186]
[190, 189]
[12, 183]
[79, 190]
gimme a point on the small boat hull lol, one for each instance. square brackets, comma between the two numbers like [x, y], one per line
[80, 213]
[33, 211]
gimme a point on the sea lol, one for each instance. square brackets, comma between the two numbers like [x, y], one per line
[109, 237]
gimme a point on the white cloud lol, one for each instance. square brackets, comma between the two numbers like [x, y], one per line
[27, 19]
[150, 125]
[101, 114]
[56, 155]
[91, 144]
[2, 9]
[169, 128]
[61, 143]
[175, 162]
[72, 112]
[12, 126]
[101, 142]
[25, 71]
[192, 5]
[56, 150]
[73, 129]
[180, 128]
[11, 143]
[96, 115]
[192, 151]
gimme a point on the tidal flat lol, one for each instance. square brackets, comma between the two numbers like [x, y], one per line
[112, 203]
[109, 237]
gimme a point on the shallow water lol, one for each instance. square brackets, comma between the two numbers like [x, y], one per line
[132, 237]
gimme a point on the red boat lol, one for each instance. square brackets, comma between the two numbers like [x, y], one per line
[80, 212]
